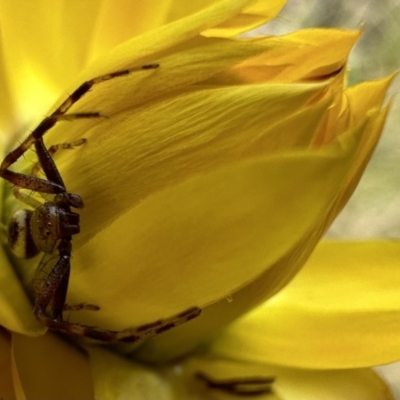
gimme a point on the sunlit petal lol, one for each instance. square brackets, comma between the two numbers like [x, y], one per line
[341, 311]
[121, 20]
[44, 45]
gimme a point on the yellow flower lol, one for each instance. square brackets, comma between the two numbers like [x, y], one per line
[337, 315]
[208, 181]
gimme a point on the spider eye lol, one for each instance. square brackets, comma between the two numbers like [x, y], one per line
[19, 235]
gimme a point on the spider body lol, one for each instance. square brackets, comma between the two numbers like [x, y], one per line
[50, 226]
[42, 229]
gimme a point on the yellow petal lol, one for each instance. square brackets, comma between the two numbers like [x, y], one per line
[117, 378]
[341, 311]
[308, 54]
[121, 20]
[276, 273]
[201, 231]
[350, 110]
[188, 129]
[251, 15]
[43, 53]
[163, 213]
[49, 368]
[15, 306]
[372, 93]
[137, 160]
[352, 115]
[290, 384]
[40, 59]
[373, 129]
[227, 18]
[7, 124]
[145, 190]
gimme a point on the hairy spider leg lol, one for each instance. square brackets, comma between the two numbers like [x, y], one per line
[53, 291]
[53, 149]
[41, 185]
[130, 335]
[47, 163]
[81, 306]
[27, 199]
[50, 170]
[55, 286]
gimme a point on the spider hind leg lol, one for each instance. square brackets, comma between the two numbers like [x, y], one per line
[130, 335]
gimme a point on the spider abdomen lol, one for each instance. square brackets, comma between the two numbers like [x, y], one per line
[19, 235]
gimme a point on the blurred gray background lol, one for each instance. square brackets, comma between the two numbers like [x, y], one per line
[374, 210]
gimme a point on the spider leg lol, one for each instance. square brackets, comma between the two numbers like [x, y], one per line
[53, 149]
[60, 294]
[31, 182]
[51, 295]
[25, 198]
[47, 163]
[81, 306]
[54, 183]
[58, 305]
[50, 304]
[54, 287]
[47, 123]
[28, 199]
[132, 335]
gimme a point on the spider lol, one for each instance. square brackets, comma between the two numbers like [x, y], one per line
[50, 226]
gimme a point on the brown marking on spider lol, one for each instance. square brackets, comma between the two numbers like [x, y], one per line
[242, 386]
[50, 226]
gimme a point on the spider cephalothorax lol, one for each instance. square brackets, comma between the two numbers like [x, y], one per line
[50, 226]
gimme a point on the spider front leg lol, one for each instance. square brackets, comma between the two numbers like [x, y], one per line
[53, 149]
[53, 185]
[41, 185]
[43, 155]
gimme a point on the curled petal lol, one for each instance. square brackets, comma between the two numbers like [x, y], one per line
[341, 311]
